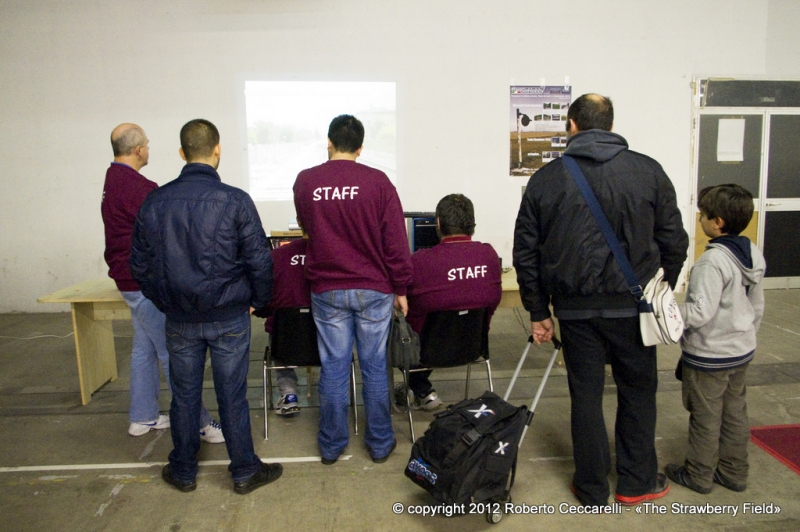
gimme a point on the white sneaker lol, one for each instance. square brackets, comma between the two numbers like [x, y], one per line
[287, 406]
[140, 429]
[427, 403]
[212, 433]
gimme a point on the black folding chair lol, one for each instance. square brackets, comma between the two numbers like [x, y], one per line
[452, 338]
[293, 344]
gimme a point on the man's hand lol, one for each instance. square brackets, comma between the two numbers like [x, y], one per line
[401, 304]
[542, 330]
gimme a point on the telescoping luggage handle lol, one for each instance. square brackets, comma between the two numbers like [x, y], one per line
[532, 410]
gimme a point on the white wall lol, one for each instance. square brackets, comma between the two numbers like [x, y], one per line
[70, 71]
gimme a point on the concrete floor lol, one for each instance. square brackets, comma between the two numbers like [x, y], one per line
[64, 466]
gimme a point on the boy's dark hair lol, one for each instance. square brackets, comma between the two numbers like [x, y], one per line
[591, 111]
[732, 203]
[198, 139]
[456, 215]
[346, 133]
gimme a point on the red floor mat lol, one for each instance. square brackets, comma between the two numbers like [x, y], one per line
[781, 441]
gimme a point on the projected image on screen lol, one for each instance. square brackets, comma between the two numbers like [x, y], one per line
[287, 129]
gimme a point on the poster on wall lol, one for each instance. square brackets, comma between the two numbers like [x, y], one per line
[538, 122]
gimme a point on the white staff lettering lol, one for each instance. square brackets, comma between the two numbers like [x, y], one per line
[466, 272]
[298, 259]
[324, 193]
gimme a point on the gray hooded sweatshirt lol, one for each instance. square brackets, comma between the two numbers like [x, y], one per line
[724, 305]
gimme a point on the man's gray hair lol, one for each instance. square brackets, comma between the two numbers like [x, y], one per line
[127, 141]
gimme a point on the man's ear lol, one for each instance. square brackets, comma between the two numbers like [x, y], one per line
[180, 152]
[719, 223]
[358, 151]
[217, 151]
[572, 128]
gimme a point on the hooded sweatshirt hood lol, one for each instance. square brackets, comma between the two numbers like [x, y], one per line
[740, 250]
[595, 144]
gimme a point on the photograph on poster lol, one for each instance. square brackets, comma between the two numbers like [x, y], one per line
[287, 129]
[529, 123]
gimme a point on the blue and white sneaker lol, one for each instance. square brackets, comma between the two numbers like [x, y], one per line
[140, 429]
[212, 433]
[287, 406]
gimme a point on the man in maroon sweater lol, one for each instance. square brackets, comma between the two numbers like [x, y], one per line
[290, 289]
[124, 191]
[358, 263]
[456, 274]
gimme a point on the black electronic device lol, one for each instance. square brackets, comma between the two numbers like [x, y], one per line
[421, 227]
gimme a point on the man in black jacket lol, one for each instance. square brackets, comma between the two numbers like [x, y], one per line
[561, 257]
[200, 254]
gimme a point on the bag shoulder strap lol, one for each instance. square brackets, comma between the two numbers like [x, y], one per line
[605, 227]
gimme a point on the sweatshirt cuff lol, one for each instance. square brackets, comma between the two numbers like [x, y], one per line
[540, 315]
[400, 290]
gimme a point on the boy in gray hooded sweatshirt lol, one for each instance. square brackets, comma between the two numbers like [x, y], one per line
[722, 313]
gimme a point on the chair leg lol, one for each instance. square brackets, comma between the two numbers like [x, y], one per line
[489, 372]
[354, 399]
[309, 379]
[408, 405]
[266, 433]
[469, 372]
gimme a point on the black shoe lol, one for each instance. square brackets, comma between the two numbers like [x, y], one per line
[679, 474]
[725, 483]
[661, 489]
[329, 461]
[400, 395]
[268, 473]
[382, 459]
[182, 485]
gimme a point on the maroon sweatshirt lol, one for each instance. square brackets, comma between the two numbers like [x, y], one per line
[123, 193]
[289, 285]
[356, 229]
[456, 274]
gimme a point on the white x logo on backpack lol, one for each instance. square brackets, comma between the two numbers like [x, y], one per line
[482, 411]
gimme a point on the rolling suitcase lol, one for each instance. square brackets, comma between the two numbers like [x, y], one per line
[468, 455]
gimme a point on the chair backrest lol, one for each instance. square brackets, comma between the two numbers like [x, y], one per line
[294, 337]
[454, 337]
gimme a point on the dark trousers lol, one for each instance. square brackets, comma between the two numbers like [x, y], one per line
[420, 383]
[588, 344]
[229, 345]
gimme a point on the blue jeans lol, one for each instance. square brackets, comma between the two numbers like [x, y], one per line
[344, 317]
[229, 344]
[149, 350]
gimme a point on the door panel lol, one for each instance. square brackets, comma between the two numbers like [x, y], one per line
[746, 173]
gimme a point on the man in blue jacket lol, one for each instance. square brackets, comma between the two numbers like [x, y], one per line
[200, 254]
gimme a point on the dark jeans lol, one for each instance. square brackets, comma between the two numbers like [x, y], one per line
[718, 426]
[229, 344]
[420, 383]
[587, 346]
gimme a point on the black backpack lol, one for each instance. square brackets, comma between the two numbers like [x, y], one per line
[469, 451]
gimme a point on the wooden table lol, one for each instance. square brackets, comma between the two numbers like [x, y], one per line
[510, 297]
[94, 304]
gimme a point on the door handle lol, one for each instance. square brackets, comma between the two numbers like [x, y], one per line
[773, 203]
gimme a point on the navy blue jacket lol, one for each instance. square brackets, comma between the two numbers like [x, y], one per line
[199, 251]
